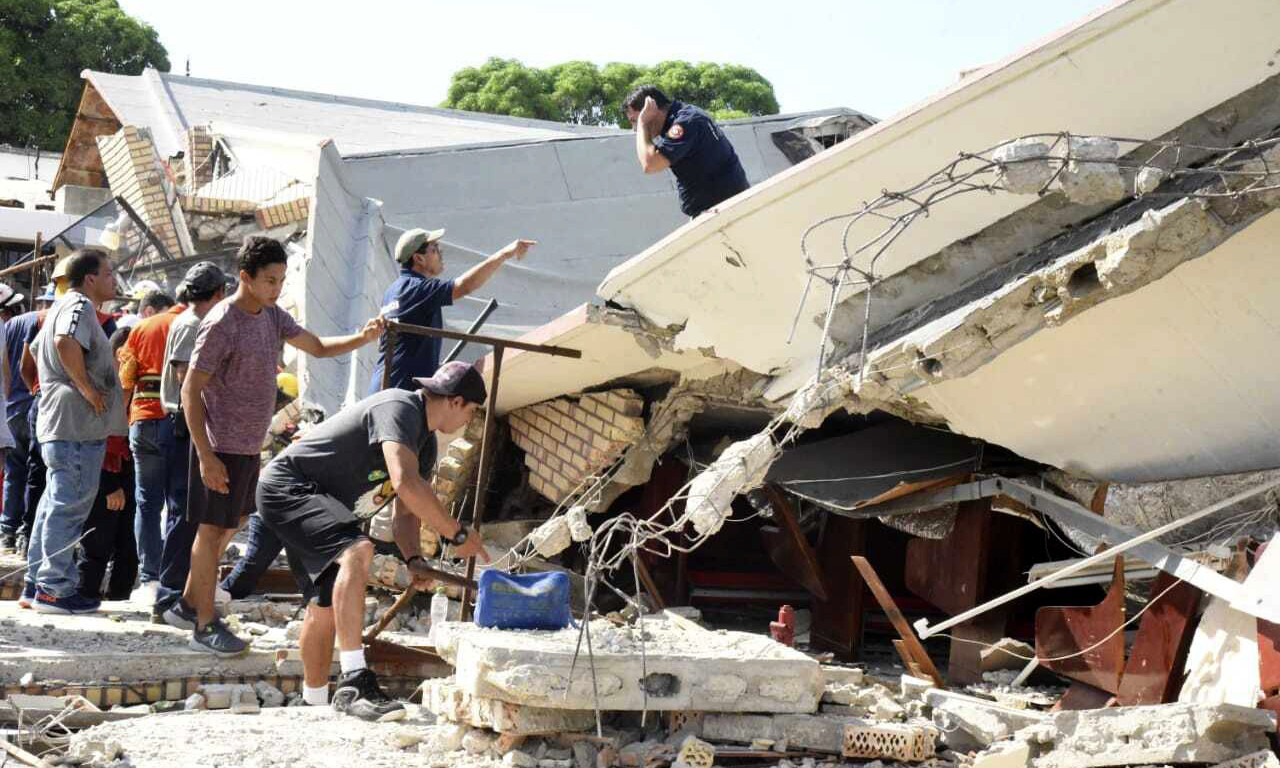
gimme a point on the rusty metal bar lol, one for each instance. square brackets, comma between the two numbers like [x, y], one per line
[492, 341]
[482, 474]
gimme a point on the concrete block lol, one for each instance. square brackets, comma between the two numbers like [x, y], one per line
[552, 537]
[1008, 754]
[1025, 165]
[477, 742]
[579, 528]
[1006, 654]
[681, 670]
[443, 699]
[983, 721]
[820, 733]
[1263, 758]
[1163, 733]
[79, 201]
[740, 468]
[842, 675]
[1091, 174]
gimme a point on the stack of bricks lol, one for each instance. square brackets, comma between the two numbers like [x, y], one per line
[199, 157]
[217, 206]
[454, 471]
[279, 214]
[135, 174]
[567, 440]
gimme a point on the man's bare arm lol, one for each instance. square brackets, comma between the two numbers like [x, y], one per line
[418, 498]
[648, 126]
[28, 368]
[473, 278]
[332, 346]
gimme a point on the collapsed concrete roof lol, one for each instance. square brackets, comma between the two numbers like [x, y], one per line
[1158, 383]
[582, 198]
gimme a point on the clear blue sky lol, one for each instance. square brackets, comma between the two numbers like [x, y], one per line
[878, 56]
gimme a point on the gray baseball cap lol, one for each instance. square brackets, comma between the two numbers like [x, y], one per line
[414, 239]
[202, 278]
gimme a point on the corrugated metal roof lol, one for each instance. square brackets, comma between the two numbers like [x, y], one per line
[169, 104]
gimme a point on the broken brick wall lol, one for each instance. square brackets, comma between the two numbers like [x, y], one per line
[569, 439]
[135, 174]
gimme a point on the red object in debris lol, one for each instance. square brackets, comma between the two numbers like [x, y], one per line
[784, 629]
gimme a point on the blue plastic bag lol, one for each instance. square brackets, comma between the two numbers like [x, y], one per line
[528, 601]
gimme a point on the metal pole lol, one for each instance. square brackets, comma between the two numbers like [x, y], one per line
[388, 351]
[475, 326]
[35, 268]
[482, 474]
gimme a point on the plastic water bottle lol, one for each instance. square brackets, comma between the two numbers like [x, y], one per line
[439, 613]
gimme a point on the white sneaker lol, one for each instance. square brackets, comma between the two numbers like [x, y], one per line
[145, 594]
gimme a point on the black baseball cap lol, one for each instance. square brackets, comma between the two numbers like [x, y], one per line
[456, 379]
[202, 278]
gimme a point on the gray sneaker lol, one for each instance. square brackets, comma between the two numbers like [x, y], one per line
[215, 638]
[180, 615]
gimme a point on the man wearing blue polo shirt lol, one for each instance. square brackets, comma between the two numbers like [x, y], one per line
[679, 136]
[417, 296]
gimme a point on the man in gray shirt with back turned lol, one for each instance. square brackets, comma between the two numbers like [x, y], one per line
[80, 406]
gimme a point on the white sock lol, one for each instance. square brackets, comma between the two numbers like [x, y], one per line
[316, 697]
[350, 661]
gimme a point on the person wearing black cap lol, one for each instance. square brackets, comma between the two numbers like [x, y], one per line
[383, 446]
[417, 296]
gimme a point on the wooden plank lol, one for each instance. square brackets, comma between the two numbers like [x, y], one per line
[485, 467]
[1153, 673]
[890, 608]
[788, 547]
[837, 623]
[1063, 631]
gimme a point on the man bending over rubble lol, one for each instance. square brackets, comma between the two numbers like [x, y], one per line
[228, 396]
[307, 494]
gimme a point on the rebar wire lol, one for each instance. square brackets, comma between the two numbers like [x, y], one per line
[980, 172]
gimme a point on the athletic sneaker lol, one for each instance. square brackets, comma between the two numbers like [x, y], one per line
[215, 638]
[359, 695]
[23, 543]
[28, 595]
[74, 603]
[180, 615]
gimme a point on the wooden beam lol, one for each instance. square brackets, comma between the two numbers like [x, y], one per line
[899, 622]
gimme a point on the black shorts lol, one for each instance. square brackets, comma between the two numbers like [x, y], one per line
[225, 510]
[315, 527]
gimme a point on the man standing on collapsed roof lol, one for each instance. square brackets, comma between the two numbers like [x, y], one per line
[682, 137]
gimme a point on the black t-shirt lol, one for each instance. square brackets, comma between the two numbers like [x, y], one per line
[702, 158]
[342, 456]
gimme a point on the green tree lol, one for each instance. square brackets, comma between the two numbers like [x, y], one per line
[45, 44]
[581, 92]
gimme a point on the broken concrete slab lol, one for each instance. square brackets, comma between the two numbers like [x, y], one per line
[1008, 653]
[120, 642]
[1263, 758]
[1007, 754]
[819, 733]
[1165, 733]
[984, 722]
[443, 699]
[669, 668]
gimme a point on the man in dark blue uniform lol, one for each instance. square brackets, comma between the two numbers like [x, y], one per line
[417, 296]
[679, 136]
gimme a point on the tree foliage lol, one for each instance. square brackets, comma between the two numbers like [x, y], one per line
[581, 92]
[45, 44]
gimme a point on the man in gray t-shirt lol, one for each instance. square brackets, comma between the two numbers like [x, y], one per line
[80, 406]
[381, 449]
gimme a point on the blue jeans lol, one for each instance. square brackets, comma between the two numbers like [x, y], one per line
[179, 534]
[259, 554]
[14, 517]
[161, 485]
[37, 472]
[74, 471]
